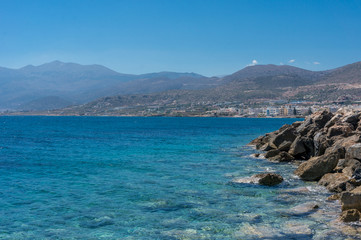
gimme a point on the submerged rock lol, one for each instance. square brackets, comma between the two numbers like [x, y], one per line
[268, 179]
[350, 215]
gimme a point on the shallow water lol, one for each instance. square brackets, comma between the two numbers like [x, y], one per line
[149, 178]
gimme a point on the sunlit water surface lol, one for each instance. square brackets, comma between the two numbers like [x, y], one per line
[149, 178]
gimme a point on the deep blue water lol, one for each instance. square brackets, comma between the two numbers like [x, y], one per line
[147, 178]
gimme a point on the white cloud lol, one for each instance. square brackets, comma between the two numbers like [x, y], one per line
[292, 61]
[316, 63]
[254, 62]
[281, 63]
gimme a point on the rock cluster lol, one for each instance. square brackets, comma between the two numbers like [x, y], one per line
[329, 146]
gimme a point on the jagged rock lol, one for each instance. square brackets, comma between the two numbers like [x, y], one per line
[353, 119]
[350, 215]
[321, 118]
[354, 152]
[309, 145]
[286, 135]
[282, 157]
[303, 128]
[285, 146]
[269, 179]
[336, 130]
[296, 124]
[271, 153]
[336, 118]
[320, 143]
[351, 200]
[346, 165]
[334, 197]
[256, 141]
[297, 147]
[335, 182]
[316, 167]
[356, 176]
[265, 147]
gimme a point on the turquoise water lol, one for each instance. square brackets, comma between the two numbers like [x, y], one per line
[147, 178]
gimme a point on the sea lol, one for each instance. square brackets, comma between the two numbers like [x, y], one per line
[152, 178]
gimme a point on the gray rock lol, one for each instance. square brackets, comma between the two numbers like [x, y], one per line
[303, 128]
[352, 119]
[265, 147]
[282, 157]
[284, 136]
[297, 147]
[321, 118]
[271, 153]
[354, 152]
[285, 146]
[336, 118]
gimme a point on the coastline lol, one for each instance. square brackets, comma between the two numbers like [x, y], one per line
[327, 147]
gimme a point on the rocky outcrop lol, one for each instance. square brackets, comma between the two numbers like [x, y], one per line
[269, 179]
[350, 215]
[329, 146]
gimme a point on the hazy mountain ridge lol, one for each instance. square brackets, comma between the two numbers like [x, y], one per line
[70, 83]
[249, 84]
[77, 84]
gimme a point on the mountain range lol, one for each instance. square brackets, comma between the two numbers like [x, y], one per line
[56, 84]
[97, 90]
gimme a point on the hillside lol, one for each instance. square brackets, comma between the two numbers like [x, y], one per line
[28, 88]
[250, 85]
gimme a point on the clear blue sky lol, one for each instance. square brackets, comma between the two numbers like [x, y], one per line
[211, 37]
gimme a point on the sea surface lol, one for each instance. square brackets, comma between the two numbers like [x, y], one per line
[151, 178]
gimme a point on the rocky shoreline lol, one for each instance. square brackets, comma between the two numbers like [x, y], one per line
[327, 147]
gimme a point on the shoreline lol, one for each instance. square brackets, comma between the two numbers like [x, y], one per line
[328, 147]
[170, 116]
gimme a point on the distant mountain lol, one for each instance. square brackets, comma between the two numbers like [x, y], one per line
[249, 85]
[350, 73]
[27, 87]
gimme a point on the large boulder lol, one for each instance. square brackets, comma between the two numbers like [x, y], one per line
[351, 200]
[269, 179]
[345, 129]
[320, 143]
[316, 167]
[297, 147]
[271, 153]
[285, 146]
[335, 182]
[321, 118]
[282, 157]
[352, 118]
[354, 152]
[287, 135]
[305, 127]
[336, 118]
